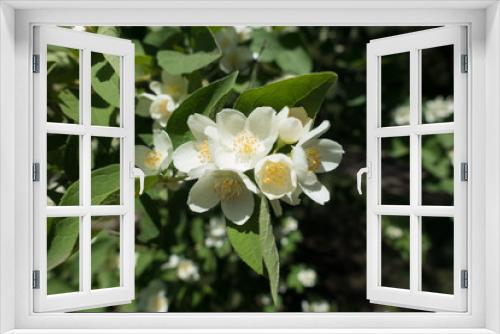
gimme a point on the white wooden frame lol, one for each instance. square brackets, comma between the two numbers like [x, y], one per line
[86, 43]
[413, 43]
[483, 17]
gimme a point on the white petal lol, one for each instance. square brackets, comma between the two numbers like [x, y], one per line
[315, 133]
[293, 198]
[290, 130]
[317, 192]
[141, 152]
[155, 87]
[201, 197]
[197, 123]
[230, 122]
[299, 161]
[174, 85]
[262, 123]
[299, 113]
[240, 209]
[163, 144]
[248, 183]
[330, 154]
[277, 182]
[186, 157]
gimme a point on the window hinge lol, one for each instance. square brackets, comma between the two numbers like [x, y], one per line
[464, 171]
[36, 63]
[465, 63]
[464, 279]
[36, 172]
[36, 279]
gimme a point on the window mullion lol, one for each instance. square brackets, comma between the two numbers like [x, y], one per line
[415, 228]
[85, 169]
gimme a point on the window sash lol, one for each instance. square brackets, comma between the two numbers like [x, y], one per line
[85, 297]
[414, 297]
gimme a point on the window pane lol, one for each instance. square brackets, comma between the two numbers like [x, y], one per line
[63, 165]
[105, 84]
[437, 254]
[105, 171]
[395, 171]
[437, 84]
[105, 260]
[396, 251]
[395, 89]
[437, 169]
[63, 262]
[63, 84]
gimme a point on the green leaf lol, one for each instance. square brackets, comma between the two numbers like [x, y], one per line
[101, 116]
[295, 61]
[245, 240]
[106, 83]
[269, 250]
[307, 90]
[159, 36]
[105, 182]
[266, 44]
[69, 105]
[205, 51]
[203, 101]
[112, 59]
[149, 218]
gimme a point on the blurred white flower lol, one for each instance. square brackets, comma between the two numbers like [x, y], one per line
[227, 38]
[231, 188]
[194, 157]
[158, 303]
[438, 109]
[316, 306]
[235, 59]
[401, 115]
[311, 156]
[275, 176]
[244, 32]
[157, 159]
[238, 142]
[294, 123]
[173, 262]
[394, 232]
[175, 86]
[216, 233]
[264, 300]
[307, 277]
[187, 270]
[290, 224]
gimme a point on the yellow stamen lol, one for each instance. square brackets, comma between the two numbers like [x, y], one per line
[204, 151]
[275, 173]
[153, 159]
[245, 143]
[227, 188]
[164, 108]
[313, 159]
[172, 90]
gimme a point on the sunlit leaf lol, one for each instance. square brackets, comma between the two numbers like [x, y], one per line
[295, 61]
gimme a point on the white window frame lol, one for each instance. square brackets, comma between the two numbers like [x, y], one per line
[16, 21]
[413, 44]
[86, 43]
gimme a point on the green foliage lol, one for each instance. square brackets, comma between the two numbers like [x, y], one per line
[204, 101]
[307, 91]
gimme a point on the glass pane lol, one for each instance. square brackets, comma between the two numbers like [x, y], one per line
[395, 171]
[105, 85]
[396, 251]
[63, 84]
[395, 89]
[105, 260]
[63, 165]
[437, 169]
[63, 262]
[105, 171]
[437, 254]
[437, 84]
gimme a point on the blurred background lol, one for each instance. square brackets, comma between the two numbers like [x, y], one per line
[184, 262]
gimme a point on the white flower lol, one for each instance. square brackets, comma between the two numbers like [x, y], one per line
[293, 124]
[394, 232]
[231, 188]
[194, 157]
[216, 233]
[187, 270]
[158, 303]
[173, 262]
[438, 109]
[275, 176]
[290, 224]
[227, 38]
[312, 155]
[235, 59]
[166, 96]
[401, 115]
[307, 277]
[320, 306]
[239, 142]
[157, 159]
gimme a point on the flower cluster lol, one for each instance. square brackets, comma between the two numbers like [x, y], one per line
[275, 154]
